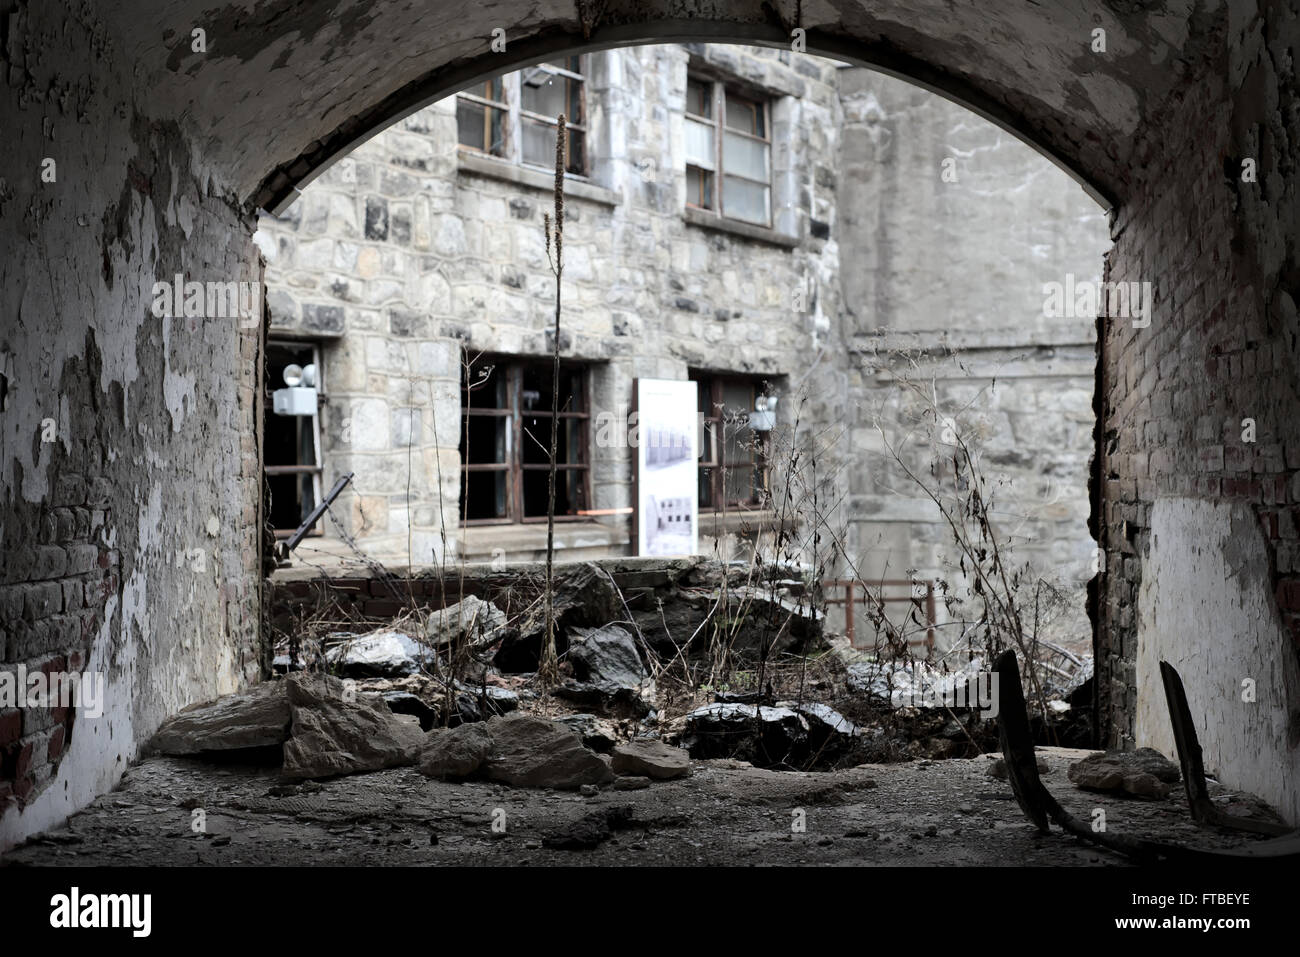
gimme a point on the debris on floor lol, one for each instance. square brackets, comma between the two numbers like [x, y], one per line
[1142, 773]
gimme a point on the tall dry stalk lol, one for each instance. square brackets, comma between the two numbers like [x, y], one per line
[548, 663]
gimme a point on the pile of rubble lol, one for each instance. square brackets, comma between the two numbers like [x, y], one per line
[320, 727]
[399, 681]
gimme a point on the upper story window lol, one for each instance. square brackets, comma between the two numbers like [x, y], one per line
[728, 152]
[514, 116]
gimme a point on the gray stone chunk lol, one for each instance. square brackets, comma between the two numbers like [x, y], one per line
[1142, 773]
[332, 735]
[256, 718]
[537, 753]
[456, 754]
[471, 618]
[646, 757]
[606, 656]
[380, 654]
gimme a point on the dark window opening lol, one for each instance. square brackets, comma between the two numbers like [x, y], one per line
[506, 440]
[291, 444]
[734, 466]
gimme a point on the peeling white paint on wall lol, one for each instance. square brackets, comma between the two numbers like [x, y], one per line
[176, 388]
[1206, 606]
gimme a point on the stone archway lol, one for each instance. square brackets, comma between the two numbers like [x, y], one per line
[169, 127]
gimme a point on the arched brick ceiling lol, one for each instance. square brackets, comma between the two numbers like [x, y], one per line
[288, 85]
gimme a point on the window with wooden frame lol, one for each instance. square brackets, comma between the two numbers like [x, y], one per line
[514, 116]
[483, 116]
[505, 441]
[291, 443]
[728, 152]
[733, 457]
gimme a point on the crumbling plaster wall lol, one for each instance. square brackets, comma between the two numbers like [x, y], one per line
[128, 464]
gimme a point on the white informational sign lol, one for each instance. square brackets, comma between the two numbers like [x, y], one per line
[667, 467]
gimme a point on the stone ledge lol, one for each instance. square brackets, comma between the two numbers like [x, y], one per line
[480, 540]
[738, 520]
[533, 178]
[762, 234]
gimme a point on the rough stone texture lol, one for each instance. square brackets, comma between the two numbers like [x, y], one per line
[648, 292]
[533, 752]
[255, 718]
[657, 293]
[455, 754]
[596, 733]
[1198, 522]
[470, 618]
[606, 656]
[332, 735]
[646, 757]
[1142, 773]
[926, 305]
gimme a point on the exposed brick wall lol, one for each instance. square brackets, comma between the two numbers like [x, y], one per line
[52, 600]
[1222, 343]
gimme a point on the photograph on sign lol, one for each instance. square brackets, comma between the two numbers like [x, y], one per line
[667, 482]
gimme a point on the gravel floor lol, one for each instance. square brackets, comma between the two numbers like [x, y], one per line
[725, 813]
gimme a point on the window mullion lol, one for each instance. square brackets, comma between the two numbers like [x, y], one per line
[719, 128]
[515, 479]
[514, 124]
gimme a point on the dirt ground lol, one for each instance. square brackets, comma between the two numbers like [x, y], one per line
[923, 812]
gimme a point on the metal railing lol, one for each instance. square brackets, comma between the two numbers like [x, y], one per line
[920, 594]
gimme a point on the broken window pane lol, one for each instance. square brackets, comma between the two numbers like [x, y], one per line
[484, 439]
[483, 495]
[699, 98]
[544, 92]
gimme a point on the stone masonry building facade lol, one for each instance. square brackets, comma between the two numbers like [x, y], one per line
[419, 261]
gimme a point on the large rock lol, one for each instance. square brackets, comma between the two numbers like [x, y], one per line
[456, 754]
[336, 733]
[536, 753]
[256, 718]
[380, 654]
[1142, 773]
[831, 736]
[611, 677]
[606, 655]
[646, 757]
[471, 620]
